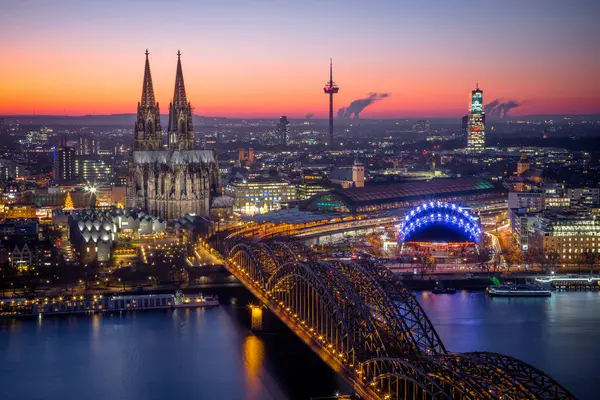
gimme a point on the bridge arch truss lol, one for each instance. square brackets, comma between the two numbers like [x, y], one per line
[360, 319]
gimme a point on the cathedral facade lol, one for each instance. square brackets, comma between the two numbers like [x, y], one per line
[175, 179]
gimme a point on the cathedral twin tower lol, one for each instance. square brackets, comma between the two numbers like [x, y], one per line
[173, 181]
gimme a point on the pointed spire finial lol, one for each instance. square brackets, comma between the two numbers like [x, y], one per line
[331, 70]
[179, 96]
[148, 99]
[477, 85]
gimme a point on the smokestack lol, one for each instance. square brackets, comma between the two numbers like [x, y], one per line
[251, 155]
[241, 155]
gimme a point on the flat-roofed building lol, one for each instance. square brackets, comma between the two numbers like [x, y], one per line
[259, 197]
[567, 234]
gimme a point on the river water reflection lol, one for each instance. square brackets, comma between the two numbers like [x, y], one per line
[211, 354]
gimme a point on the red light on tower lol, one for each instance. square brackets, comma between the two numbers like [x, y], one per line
[330, 89]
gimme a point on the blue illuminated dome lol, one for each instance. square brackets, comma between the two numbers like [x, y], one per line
[440, 218]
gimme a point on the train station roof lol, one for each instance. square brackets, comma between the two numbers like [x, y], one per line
[292, 216]
[456, 189]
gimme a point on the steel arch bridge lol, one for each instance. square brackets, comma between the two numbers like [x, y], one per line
[362, 321]
[441, 213]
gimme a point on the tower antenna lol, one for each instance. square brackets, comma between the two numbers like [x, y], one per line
[330, 89]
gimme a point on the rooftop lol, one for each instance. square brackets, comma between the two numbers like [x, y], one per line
[411, 189]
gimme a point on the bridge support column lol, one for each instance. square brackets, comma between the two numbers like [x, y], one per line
[256, 318]
[263, 320]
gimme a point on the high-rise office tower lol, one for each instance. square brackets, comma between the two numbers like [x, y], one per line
[64, 163]
[331, 89]
[476, 125]
[284, 131]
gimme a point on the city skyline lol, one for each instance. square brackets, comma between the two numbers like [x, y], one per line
[264, 59]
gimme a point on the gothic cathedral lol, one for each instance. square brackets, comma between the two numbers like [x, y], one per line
[175, 180]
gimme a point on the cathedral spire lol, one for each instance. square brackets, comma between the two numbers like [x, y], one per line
[181, 126]
[179, 97]
[147, 134]
[147, 88]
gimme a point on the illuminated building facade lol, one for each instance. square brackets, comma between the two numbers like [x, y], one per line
[476, 122]
[176, 181]
[306, 190]
[259, 197]
[569, 235]
[93, 169]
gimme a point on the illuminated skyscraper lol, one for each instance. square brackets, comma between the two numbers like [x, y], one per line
[476, 124]
[284, 131]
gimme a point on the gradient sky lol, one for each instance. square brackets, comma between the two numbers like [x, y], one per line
[252, 58]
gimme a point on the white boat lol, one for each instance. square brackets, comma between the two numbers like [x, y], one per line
[525, 290]
[197, 300]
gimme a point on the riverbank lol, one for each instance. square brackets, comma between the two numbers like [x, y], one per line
[89, 304]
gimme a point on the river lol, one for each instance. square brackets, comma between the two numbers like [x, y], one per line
[211, 354]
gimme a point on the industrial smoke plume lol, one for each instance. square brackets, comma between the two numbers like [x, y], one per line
[499, 108]
[356, 107]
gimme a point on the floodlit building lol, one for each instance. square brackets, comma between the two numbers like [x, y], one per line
[259, 197]
[567, 234]
[93, 232]
[169, 182]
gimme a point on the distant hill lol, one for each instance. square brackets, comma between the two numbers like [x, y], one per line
[117, 120]
[127, 120]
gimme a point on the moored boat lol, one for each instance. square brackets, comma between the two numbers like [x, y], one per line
[524, 290]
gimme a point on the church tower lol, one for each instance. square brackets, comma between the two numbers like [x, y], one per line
[523, 165]
[358, 174]
[148, 135]
[181, 126]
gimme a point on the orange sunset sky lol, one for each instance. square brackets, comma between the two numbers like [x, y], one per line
[269, 58]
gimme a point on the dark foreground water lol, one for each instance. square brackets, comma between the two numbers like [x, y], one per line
[210, 353]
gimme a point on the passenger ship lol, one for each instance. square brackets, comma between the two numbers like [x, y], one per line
[524, 290]
[98, 303]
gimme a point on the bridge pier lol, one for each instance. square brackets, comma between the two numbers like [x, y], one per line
[263, 320]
